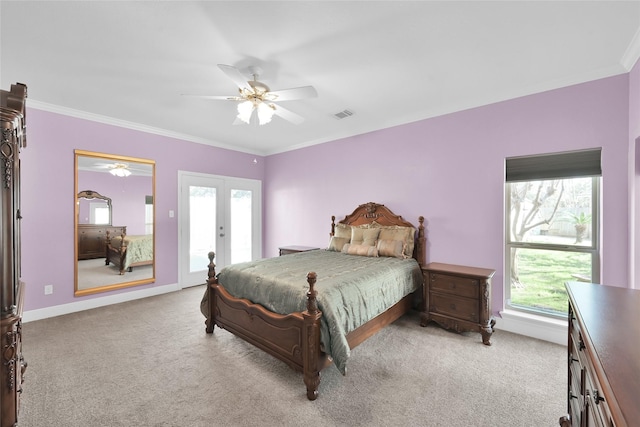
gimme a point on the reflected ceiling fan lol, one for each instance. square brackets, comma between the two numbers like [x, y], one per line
[257, 103]
[121, 169]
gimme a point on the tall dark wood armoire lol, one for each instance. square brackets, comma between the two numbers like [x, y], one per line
[12, 364]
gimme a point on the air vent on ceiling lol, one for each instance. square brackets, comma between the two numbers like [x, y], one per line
[343, 114]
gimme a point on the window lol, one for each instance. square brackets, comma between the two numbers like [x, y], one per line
[552, 233]
[99, 213]
[148, 214]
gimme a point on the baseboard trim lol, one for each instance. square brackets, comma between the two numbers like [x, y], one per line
[73, 307]
[540, 327]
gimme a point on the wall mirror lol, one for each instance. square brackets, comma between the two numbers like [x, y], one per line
[114, 222]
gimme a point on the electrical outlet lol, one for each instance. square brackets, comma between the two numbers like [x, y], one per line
[48, 289]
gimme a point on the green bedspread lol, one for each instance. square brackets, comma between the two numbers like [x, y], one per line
[139, 248]
[351, 289]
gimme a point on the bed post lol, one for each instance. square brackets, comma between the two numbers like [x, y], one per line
[107, 240]
[311, 337]
[333, 226]
[123, 250]
[211, 281]
[421, 254]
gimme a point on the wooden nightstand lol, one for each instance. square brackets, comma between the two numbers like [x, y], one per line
[459, 298]
[286, 250]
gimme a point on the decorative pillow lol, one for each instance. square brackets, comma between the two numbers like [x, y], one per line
[396, 232]
[363, 250]
[391, 248]
[364, 236]
[337, 243]
[342, 230]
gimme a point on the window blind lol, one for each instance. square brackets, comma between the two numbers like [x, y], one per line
[569, 164]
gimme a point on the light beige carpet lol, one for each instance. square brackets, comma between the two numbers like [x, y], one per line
[94, 273]
[150, 363]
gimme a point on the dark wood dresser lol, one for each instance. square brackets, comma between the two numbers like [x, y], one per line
[92, 240]
[603, 356]
[458, 297]
[12, 363]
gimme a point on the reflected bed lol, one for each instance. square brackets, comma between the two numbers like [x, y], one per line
[137, 250]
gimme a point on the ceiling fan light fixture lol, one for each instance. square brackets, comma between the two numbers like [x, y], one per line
[265, 113]
[120, 170]
[255, 95]
[245, 110]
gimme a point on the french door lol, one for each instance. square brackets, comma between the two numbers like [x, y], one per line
[219, 214]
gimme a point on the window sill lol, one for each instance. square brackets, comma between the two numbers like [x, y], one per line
[531, 325]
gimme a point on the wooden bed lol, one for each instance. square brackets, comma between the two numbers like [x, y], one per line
[118, 253]
[295, 338]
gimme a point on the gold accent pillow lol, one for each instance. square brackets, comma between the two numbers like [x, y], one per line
[364, 236]
[337, 243]
[363, 250]
[342, 230]
[395, 232]
[391, 248]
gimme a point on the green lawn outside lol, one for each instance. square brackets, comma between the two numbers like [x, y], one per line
[543, 274]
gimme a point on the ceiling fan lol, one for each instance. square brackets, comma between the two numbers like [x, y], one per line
[257, 103]
[120, 169]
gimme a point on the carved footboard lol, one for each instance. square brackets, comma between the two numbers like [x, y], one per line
[118, 255]
[292, 338]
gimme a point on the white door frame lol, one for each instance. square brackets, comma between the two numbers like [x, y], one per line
[223, 251]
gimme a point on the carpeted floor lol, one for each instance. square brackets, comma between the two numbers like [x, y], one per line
[150, 363]
[93, 273]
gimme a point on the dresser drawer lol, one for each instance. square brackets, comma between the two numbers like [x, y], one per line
[460, 308]
[599, 413]
[454, 285]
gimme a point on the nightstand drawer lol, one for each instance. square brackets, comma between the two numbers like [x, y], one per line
[454, 285]
[460, 308]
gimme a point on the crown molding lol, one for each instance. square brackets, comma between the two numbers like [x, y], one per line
[52, 108]
[631, 55]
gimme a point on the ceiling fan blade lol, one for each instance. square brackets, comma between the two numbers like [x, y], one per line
[293, 93]
[288, 115]
[236, 76]
[217, 97]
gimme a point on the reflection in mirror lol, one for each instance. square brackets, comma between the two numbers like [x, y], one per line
[114, 222]
[93, 208]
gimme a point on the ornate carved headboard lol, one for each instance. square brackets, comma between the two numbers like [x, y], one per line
[370, 212]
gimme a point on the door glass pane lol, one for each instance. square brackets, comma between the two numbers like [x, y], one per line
[241, 225]
[202, 226]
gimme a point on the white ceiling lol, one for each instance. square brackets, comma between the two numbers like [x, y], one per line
[390, 62]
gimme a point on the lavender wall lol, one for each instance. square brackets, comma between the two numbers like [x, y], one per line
[450, 169]
[48, 195]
